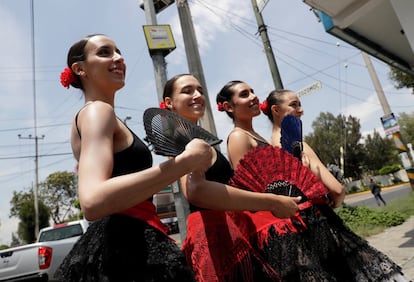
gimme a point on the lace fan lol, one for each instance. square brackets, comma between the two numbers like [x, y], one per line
[273, 170]
[168, 133]
[291, 135]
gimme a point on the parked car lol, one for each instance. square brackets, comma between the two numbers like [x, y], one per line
[39, 261]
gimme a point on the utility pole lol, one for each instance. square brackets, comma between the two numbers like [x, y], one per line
[181, 204]
[36, 184]
[158, 59]
[35, 137]
[267, 47]
[402, 149]
[193, 59]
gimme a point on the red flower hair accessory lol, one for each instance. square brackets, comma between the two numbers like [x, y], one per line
[163, 105]
[264, 107]
[67, 77]
[220, 107]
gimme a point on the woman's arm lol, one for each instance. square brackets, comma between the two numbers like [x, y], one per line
[336, 189]
[218, 196]
[101, 195]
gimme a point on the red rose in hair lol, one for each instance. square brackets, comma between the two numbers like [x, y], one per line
[220, 107]
[163, 105]
[264, 107]
[67, 77]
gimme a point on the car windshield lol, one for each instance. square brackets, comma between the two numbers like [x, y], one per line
[61, 233]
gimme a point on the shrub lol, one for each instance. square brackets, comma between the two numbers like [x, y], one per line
[362, 216]
[389, 169]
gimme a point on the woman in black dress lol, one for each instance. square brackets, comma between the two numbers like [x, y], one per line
[217, 246]
[126, 241]
[329, 251]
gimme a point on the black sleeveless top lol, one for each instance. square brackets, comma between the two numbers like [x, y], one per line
[135, 158]
[220, 171]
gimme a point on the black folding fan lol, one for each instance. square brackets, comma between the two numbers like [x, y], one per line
[168, 133]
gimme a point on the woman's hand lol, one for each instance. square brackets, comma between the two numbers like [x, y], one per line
[285, 206]
[198, 155]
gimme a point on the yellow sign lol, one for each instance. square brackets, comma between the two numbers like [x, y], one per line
[159, 38]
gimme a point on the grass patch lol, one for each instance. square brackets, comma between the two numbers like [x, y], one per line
[366, 222]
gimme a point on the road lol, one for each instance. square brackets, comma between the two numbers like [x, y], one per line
[389, 194]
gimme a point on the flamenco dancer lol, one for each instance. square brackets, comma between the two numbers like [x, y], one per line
[216, 245]
[126, 241]
[322, 247]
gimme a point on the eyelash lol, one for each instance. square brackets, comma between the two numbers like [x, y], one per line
[107, 52]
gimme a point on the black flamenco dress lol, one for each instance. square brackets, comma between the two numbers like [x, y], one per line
[314, 244]
[129, 246]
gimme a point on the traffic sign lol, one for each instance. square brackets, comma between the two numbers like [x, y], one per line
[304, 91]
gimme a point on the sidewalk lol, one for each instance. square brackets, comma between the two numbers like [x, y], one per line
[398, 243]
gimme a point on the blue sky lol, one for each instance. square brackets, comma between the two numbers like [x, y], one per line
[230, 48]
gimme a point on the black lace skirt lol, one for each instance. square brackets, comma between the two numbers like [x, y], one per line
[122, 248]
[327, 250]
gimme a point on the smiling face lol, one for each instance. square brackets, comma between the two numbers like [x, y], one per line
[289, 104]
[103, 67]
[244, 103]
[187, 98]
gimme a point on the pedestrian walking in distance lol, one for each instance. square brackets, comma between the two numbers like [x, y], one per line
[376, 191]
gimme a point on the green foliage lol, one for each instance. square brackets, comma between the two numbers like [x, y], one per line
[22, 207]
[15, 241]
[380, 152]
[406, 123]
[330, 133]
[356, 215]
[366, 222]
[389, 169]
[401, 79]
[3, 247]
[59, 192]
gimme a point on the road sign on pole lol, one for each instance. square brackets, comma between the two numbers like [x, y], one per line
[304, 91]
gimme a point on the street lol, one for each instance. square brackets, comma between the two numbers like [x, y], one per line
[367, 199]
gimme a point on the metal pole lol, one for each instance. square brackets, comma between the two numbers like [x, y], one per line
[267, 47]
[193, 59]
[158, 59]
[378, 88]
[36, 186]
[181, 204]
[402, 149]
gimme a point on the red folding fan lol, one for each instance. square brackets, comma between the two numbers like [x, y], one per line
[273, 170]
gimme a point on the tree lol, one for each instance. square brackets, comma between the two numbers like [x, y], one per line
[354, 152]
[380, 152]
[59, 193]
[325, 139]
[330, 133]
[401, 79]
[22, 207]
[406, 123]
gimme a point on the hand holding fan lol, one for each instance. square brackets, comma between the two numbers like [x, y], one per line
[291, 135]
[169, 133]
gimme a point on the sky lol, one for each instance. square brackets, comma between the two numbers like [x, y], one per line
[35, 104]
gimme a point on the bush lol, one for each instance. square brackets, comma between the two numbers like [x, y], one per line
[365, 221]
[389, 169]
